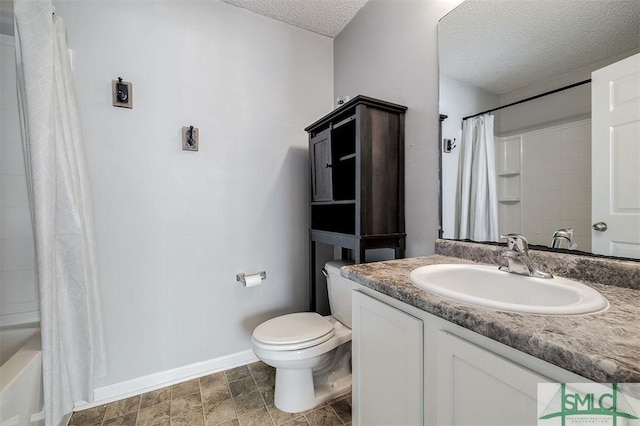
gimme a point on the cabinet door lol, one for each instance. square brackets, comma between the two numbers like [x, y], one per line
[477, 387]
[387, 364]
[321, 173]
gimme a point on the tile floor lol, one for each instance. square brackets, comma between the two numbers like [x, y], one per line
[240, 396]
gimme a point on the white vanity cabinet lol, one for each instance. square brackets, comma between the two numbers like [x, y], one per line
[388, 379]
[413, 368]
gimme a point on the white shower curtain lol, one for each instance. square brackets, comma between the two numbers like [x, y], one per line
[477, 209]
[60, 200]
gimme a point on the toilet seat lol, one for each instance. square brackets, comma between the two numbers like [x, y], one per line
[293, 331]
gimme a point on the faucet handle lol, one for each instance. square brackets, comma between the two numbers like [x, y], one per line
[516, 242]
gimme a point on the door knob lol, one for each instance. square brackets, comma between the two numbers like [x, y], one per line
[600, 226]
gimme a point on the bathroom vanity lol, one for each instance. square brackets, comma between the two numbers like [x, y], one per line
[422, 359]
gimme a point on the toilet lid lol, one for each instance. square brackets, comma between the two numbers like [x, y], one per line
[294, 329]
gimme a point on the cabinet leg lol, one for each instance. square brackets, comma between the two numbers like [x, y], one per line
[312, 276]
[359, 253]
[346, 255]
[399, 251]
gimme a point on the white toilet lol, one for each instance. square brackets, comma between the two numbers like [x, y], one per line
[311, 353]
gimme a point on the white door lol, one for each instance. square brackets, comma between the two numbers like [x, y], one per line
[477, 387]
[387, 347]
[615, 166]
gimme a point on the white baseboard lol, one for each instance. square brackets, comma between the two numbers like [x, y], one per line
[161, 379]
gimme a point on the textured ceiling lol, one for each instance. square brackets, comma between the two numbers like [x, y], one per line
[503, 45]
[326, 17]
[498, 45]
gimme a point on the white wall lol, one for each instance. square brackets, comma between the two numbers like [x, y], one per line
[18, 291]
[389, 51]
[457, 100]
[175, 227]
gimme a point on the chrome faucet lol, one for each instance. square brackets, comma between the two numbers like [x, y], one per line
[562, 235]
[517, 254]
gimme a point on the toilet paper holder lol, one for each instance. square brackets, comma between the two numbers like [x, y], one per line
[241, 277]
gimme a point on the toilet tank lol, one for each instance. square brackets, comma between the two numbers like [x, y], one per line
[339, 289]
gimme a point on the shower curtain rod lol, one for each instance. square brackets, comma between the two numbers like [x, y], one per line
[530, 99]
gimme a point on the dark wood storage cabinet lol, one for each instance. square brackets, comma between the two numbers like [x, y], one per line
[357, 179]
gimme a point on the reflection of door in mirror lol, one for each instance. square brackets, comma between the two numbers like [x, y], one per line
[616, 141]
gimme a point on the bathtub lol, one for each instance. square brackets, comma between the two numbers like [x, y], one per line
[20, 376]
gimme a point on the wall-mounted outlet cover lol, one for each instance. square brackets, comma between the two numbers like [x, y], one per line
[190, 138]
[122, 93]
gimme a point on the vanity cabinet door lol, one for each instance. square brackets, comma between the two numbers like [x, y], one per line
[477, 387]
[388, 374]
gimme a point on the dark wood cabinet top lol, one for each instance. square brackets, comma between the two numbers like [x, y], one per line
[358, 100]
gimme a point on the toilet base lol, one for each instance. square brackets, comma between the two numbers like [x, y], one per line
[299, 390]
[295, 391]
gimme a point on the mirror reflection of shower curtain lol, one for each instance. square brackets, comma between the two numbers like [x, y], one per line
[477, 200]
[60, 200]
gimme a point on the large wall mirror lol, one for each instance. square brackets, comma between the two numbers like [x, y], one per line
[542, 154]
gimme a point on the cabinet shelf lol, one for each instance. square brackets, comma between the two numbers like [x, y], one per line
[509, 173]
[347, 157]
[343, 122]
[329, 203]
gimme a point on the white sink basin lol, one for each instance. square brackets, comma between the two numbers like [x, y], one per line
[487, 286]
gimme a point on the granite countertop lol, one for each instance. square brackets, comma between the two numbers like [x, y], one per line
[603, 347]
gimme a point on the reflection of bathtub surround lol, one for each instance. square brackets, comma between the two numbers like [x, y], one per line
[545, 182]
